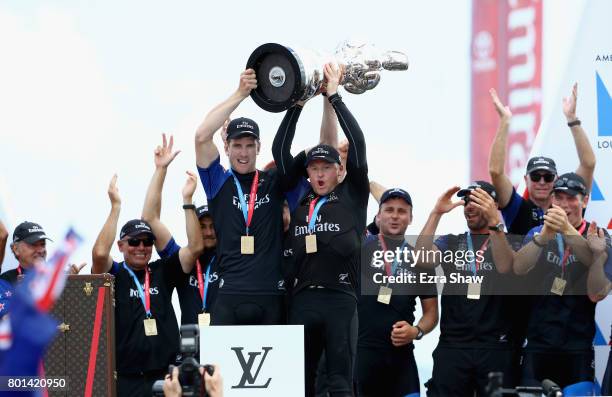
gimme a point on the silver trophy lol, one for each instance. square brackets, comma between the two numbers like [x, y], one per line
[286, 75]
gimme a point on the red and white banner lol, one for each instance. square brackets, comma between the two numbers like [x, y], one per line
[506, 54]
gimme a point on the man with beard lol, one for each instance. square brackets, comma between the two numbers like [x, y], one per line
[522, 214]
[385, 358]
[558, 260]
[476, 324]
[147, 337]
[197, 292]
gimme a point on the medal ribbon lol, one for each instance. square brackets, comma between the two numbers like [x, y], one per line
[19, 271]
[313, 211]
[390, 268]
[475, 264]
[145, 296]
[247, 212]
[565, 251]
[203, 285]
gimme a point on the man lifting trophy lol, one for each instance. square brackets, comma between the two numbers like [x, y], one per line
[286, 76]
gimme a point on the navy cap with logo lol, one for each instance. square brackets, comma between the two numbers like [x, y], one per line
[395, 193]
[323, 152]
[136, 227]
[486, 186]
[570, 183]
[242, 127]
[29, 232]
[202, 211]
[541, 163]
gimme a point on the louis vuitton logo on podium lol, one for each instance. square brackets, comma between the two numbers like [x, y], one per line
[249, 379]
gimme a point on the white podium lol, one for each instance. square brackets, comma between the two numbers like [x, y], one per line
[264, 360]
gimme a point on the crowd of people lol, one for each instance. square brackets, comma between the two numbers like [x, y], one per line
[290, 244]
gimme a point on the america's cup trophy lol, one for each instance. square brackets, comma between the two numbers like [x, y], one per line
[286, 75]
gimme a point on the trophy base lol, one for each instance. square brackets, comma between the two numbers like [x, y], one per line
[280, 76]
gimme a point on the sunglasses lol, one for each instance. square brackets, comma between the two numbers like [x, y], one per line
[135, 242]
[536, 176]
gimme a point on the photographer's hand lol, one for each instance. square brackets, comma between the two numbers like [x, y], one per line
[172, 387]
[214, 383]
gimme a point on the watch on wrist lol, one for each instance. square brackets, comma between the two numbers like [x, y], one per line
[420, 334]
[497, 228]
[189, 207]
[573, 123]
[536, 242]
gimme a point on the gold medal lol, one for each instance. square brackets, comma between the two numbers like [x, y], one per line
[384, 295]
[473, 291]
[311, 243]
[150, 327]
[247, 245]
[204, 319]
[558, 286]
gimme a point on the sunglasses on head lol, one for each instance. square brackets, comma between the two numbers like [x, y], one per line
[135, 242]
[574, 185]
[536, 176]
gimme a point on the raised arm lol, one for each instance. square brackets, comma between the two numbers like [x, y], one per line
[206, 151]
[195, 244]
[357, 148]
[3, 239]
[425, 241]
[281, 149]
[151, 210]
[329, 125]
[583, 146]
[101, 259]
[376, 190]
[497, 156]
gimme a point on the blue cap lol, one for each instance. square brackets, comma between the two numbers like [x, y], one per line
[395, 193]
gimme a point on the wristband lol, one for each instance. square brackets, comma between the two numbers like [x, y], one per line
[334, 98]
[189, 207]
[573, 123]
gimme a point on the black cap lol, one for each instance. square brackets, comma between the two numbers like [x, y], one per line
[136, 227]
[486, 186]
[202, 211]
[241, 127]
[570, 183]
[541, 163]
[395, 193]
[323, 152]
[29, 232]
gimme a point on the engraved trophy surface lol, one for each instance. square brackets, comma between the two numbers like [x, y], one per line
[286, 75]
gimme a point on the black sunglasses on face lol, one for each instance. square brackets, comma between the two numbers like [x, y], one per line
[135, 242]
[536, 176]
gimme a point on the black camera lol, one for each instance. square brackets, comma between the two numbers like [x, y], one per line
[192, 383]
